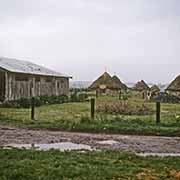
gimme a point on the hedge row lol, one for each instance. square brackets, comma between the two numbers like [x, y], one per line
[38, 101]
[42, 100]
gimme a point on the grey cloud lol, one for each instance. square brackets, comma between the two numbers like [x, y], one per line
[81, 37]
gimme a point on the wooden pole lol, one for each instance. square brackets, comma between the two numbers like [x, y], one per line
[32, 108]
[32, 98]
[92, 107]
[158, 112]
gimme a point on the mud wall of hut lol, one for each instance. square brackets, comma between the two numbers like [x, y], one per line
[23, 85]
[112, 92]
[175, 93]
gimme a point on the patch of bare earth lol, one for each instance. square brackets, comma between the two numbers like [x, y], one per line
[138, 144]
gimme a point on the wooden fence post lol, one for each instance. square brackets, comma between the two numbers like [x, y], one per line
[158, 112]
[32, 85]
[32, 108]
[92, 107]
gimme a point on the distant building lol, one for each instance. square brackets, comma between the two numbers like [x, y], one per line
[155, 90]
[143, 89]
[141, 86]
[106, 85]
[174, 87]
[118, 81]
[24, 79]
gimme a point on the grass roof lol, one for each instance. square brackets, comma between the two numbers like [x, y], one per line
[155, 88]
[106, 80]
[175, 85]
[118, 81]
[141, 86]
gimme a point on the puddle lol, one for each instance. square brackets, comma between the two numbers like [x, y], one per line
[108, 142]
[159, 154]
[64, 146]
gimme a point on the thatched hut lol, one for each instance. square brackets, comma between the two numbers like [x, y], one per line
[141, 86]
[105, 85]
[118, 81]
[174, 87]
[143, 89]
[155, 90]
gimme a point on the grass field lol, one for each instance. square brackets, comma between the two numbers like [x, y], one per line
[54, 165]
[76, 117]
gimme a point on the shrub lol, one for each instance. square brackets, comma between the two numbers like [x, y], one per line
[123, 108]
[74, 97]
[20, 103]
[24, 102]
[124, 97]
[167, 98]
[38, 101]
[82, 97]
[53, 99]
[78, 97]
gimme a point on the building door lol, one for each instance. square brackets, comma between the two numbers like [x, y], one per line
[2, 86]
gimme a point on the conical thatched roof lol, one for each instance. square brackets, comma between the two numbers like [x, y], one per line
[118, 81]
[175, 85]
[141, 86]
[155, 88]
[104, 80]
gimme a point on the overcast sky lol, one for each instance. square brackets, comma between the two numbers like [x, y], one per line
[136, 39]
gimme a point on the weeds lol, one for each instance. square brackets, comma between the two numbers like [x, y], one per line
[76, 117]
[38, 101]
[123, 108]
[51, 165]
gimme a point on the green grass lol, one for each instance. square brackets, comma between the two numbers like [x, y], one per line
[106, 165]
[76, 117]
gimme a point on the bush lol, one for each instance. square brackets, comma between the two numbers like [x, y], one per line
[124, 97]
[167, 98]
[123, 108]
[53, 99]
[82, 97]
[38, 101]
[20, 103]
[24, 102]
[74, 97]
[78, 97]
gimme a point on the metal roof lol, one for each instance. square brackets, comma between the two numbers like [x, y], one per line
[19, 66]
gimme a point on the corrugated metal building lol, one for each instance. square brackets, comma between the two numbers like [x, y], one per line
[25, 79]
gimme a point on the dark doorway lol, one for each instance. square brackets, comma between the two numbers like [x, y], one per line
[2, 86]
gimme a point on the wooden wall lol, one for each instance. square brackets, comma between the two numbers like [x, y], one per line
[22, 85]
[2, 86]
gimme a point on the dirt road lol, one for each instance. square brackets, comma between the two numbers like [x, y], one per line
[138, 144]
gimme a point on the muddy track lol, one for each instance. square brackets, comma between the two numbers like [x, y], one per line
[138, 144]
